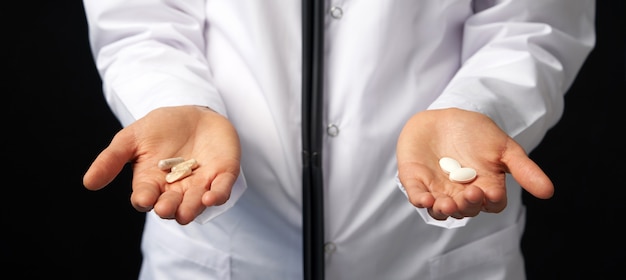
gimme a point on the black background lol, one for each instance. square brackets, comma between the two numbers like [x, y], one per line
[56, 122]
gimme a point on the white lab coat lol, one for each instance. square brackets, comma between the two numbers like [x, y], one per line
[385, 60]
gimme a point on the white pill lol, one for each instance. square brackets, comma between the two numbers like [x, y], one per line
[191, 164]
[463, 175]
[449, 164]
[177, 175]
[166, 164]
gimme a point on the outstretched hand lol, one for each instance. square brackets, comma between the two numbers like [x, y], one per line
[182, 131]
[475, 141]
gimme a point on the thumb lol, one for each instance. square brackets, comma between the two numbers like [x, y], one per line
[108, 164]
[527, 173]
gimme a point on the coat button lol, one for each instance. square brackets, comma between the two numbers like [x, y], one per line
[332, 130]
[336, 12]
[330, 248]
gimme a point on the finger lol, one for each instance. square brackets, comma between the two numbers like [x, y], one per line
[469, 202]
[443, 208]
[437, 215]
[527, 173]
[144, 196]
[495, 200]
[167, 204]
[420, 197]
[416, 189]
[220, 190]
[191, 205]
[109, 162]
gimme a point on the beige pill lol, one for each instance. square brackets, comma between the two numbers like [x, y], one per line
[177, 175]
[448, 164]
[463, 175]
[188, 164]
[167, 163]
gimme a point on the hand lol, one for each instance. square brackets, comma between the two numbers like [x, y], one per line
[183, 131]
[475, 141]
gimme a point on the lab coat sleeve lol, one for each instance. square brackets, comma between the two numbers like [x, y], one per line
[151, 54]
[519, 57]
[518, 60]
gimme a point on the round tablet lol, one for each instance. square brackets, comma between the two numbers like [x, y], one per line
[448, 164]
[463, 175]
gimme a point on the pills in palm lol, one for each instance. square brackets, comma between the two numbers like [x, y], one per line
[456, 173]
[178, 168]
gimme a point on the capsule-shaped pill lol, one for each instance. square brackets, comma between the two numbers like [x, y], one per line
[188, 164]
[177, 175]
[448, 164]
[166, 164]
[462, 175]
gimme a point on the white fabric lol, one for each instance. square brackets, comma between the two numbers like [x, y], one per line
[384, 61]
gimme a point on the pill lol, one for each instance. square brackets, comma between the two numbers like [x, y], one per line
[190, 164]
[448, 164]
[462, 175]
[166, 164]
[177, 175]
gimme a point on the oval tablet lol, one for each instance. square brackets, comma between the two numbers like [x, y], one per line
[448, 164]
[463, 175]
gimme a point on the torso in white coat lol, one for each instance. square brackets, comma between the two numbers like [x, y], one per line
[384, 62]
